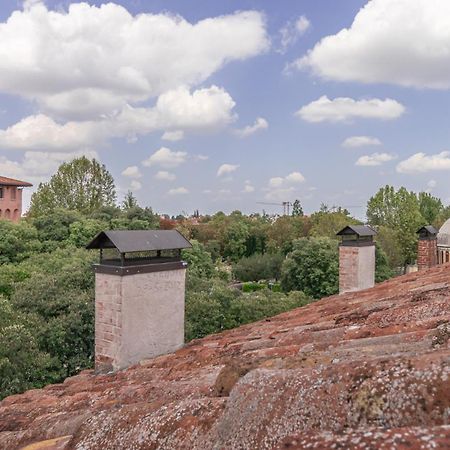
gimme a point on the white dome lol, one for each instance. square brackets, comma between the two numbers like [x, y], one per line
[443, 237]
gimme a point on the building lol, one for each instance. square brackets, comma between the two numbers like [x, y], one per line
[443, 243]
[11, 198]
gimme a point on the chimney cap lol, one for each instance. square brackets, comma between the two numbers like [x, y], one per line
[129, 241]
[359, 230]
[427, 231]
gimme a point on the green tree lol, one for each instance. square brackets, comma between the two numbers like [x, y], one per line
[81, 185]
[297, 209]
[259, 267]
[129, 201]
[199, 261]
[312, 267]
[400, 211]
[17, 241]
[430, 207]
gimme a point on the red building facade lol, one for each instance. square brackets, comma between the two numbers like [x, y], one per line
[11, 198]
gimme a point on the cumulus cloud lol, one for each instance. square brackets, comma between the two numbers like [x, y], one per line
[226, 169]
[63, 59]
[135, 185]
[38, 166]
[280, 188]
[344, 109]
[248, 187]
[163, 175]
[375, 159]
[404, 42]
[132, 172]
[173, 136]
[178, 191]
[166, 158]
[292, 30]
[360, 141]
[204, 109]
[260, 124]
[422, 163]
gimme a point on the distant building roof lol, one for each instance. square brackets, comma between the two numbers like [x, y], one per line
[5, 181]
[128, 241]
[360, 230]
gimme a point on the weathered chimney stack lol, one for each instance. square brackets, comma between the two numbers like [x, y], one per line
[427, 251]
[356, 258]
[139, 296]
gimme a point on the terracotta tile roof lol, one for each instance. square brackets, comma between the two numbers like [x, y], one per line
[5, 181]
[361, 370]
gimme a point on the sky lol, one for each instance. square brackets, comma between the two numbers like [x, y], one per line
[219, 106]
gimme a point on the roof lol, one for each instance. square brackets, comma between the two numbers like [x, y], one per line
[429, 229]
[365, 369]
[360, 230]
[128, 241]
[5, 181]
[443, 239]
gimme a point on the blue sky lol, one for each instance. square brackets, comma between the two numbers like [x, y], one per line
[121, 82]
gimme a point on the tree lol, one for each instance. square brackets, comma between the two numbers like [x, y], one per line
[327, 223]
[129, 201]
[400, 211]
[312, 267]
[430, 207]
[297, 209]
[81, 185]
[259, 267]
[199, 261]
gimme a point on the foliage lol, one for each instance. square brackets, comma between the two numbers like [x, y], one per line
[400, 211]
[383, 270]
[17, 241]
[81, 185]
[259, 267]
[327, 223]
[212, 307]
[312, 267]
[297, 209]
[199, 261]
[430, 207]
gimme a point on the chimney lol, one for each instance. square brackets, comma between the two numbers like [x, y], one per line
[356, 258]
[139, 296]
[427, 250]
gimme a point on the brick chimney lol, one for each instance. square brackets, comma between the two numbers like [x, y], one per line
[427, 251]
[139, 301]
[356, 258]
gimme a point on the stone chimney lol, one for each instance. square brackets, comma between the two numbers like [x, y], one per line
[427, 251]
[356, 258]
[139, 296]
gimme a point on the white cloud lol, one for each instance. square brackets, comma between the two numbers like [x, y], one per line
[135, 185]
[64, 61]
[173, 136]
[280, 194]
[360, 141]
[344, 109]
[227, 169]
[421, 163]
[292, 30]
[292, 178]
[165, 176]
[260, 124]
[38, 166]
[201, 157]
[178, 191]
[205, 109]
[404, 42]
[132, 172]
[165, 158]
[375, 159]
[432, 184]
[248, 187]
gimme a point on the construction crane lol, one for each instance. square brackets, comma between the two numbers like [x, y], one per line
[286, 206]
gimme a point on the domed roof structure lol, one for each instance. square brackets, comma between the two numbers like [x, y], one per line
[443, 237]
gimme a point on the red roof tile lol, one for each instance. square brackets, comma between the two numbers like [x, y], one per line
[361, 370]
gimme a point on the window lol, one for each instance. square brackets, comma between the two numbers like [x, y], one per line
[1, 193]
[13, 193]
